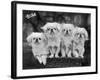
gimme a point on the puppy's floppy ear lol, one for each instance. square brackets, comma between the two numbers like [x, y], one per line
[45, 27]
[45, 39]
[86, 34]
[29, 38]
[58, 26]
[75, 29]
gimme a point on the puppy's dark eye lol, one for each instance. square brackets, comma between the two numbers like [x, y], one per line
[77, 34]
[54, 28]
[48, 29]
[39, 38]
[33, 38]
[63, 29]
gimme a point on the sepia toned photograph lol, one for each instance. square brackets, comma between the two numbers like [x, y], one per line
[53, 39]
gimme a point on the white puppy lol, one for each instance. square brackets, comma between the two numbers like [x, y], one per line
[39, 46]
[79, 37]
[66, 37]
[52, 31]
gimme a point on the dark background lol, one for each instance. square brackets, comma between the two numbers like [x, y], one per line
[42, 17]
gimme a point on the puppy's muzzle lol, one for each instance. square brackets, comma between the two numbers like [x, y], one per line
[80, 36]
[66, 32]
[52, 31]
[36, 40]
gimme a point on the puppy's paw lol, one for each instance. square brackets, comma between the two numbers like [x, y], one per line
[44, 59]
[69, 56]
[82, 56]
[44, 62]
[63, 53]
[75, 54]
[39, 59]
[56, 56]
[63, 56]
[51, 56]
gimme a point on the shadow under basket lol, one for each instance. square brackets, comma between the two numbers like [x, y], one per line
[63, 62]
[32, 63]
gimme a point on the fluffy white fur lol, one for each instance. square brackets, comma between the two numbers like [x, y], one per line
[66, 37]
[79, 37]
[52, 31]
[39, 46]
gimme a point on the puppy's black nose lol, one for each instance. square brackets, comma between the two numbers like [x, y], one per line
[51, 30]
[80, 36]
[66, 32]
[36, 40]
